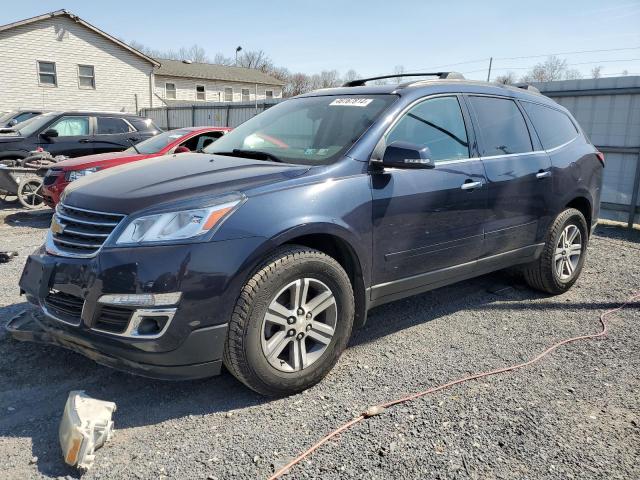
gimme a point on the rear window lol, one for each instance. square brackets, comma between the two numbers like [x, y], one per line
[143, 124]
[553, 127]
[112, 125]
[503, 129]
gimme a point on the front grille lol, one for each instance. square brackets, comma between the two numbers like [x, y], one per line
[64, 306]
[78, 232]
[50, 177]
[113, 319]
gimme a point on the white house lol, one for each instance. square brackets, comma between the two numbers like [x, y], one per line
[179, 82]
[59, 61]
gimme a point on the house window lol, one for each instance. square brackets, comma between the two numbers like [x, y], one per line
[228, 94]
[245, 95]
[268, 94]
[200, 93]
[86, 76]
[170, 90]
[47, 74]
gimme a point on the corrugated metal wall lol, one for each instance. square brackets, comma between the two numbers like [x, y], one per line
[608, 109]
[205, 114]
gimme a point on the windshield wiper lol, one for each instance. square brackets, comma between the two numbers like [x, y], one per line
[257, 154]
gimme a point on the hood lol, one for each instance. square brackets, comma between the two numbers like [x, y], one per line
[138, 185]
[10, 137]
[100, 158]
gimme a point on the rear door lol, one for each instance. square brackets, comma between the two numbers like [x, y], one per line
[113, 134]
[425, 221]
[518, 174]
[74, 136]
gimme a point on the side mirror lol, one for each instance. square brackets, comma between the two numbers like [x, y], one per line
[13, 123]
[51, 133]
[407, 155]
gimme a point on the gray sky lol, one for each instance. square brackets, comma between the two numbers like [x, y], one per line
[374, 36]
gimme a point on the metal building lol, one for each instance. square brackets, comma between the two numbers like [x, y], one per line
[608, 109]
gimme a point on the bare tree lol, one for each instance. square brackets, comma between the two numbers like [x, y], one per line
[298, 83]
[596, 72]
[508, 78]
[325, 79]
[256, 59]
[553, 68]
[573, 74]
[221, 59]
[350, 76]
[398, 70]
[195, 52]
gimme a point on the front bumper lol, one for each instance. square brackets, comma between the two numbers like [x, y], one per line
[51, 193]
[210, 276]
[32, 326]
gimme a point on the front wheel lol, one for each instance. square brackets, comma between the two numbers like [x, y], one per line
[291, 323]
[563, 256]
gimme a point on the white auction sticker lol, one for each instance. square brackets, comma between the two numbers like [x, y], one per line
[352, 102]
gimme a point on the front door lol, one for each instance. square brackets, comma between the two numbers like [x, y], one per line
[74, 137]
[427, 221]
[518, 174]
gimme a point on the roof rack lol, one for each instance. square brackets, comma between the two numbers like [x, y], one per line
[441, 75]
[526, 86]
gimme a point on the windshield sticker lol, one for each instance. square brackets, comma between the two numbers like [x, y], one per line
[352, 102]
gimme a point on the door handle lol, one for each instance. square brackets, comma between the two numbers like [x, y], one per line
[543, 174]
[134, 139]
[470, 185]
[84, 140]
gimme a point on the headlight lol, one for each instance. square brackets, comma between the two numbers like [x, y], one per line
[179, 225]
[76, 174]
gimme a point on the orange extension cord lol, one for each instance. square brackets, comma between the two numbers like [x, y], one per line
[375, 410]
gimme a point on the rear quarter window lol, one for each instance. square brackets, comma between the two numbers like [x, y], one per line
[502, 127]
[554, 127]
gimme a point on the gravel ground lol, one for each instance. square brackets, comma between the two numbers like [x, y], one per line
[574, 415]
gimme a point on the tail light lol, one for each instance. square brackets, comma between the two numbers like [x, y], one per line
[600, 156]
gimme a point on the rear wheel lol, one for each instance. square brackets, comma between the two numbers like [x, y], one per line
[563, 256]
[291, 323]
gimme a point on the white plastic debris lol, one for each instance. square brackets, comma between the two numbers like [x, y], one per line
[86, 425]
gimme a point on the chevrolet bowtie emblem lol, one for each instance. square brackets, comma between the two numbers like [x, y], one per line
[56, 227]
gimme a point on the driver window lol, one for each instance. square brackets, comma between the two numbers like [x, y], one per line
[436, 123]
[71, 126]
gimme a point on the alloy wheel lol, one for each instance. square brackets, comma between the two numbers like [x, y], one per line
[299, 325]
[568, 252]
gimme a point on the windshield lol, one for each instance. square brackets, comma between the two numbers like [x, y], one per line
[28, 129]
[157, 143]
[308, 130]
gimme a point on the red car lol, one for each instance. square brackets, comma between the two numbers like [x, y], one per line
[192, 139]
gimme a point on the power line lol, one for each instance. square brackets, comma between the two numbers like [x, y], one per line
[568, 53]
[571, 64]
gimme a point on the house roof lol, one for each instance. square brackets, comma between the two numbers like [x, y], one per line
[210, 71]
[75, 18]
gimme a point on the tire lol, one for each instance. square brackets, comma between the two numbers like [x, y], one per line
[266, 298]
[30, 193]
[546, 273]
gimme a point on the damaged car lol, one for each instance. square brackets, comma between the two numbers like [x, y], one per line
[264, 253]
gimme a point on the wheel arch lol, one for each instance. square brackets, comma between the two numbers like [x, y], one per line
[583, 205]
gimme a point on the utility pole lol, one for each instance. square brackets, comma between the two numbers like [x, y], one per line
[489, 72]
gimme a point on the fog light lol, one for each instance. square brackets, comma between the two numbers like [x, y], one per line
[86, 425]
[141, 299]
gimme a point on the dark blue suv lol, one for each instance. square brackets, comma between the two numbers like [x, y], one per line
[265, 251]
